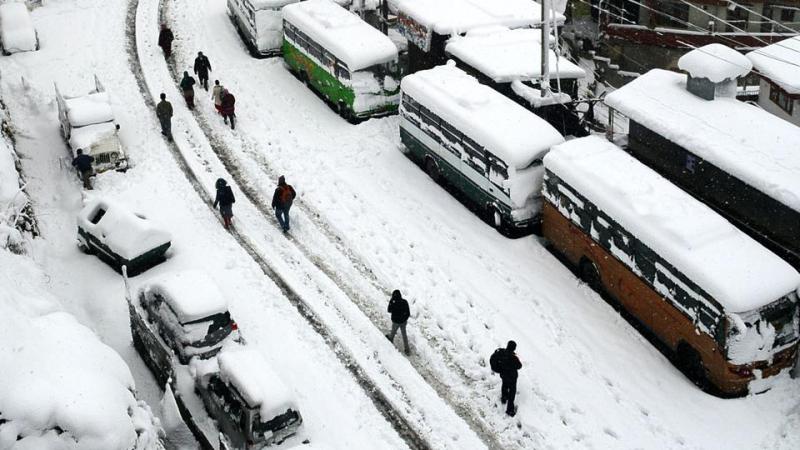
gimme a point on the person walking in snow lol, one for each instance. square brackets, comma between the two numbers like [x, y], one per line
[505, 362]
[164, 114]
[227, 108]
[398, 308]
[225, 200]
[216, 95]
[187, 86]
[84, 165]
[281, 202]
[201, 68]
[165, 38]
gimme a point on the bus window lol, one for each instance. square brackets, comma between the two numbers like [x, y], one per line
[341, 71]
[498, 173]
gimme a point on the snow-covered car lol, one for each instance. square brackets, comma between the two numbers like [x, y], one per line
[16, 29]
[87, 123]
[120, 237]
[181, 313]
[248, 400]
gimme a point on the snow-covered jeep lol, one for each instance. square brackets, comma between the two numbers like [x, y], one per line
[16, 29]
[87, 123]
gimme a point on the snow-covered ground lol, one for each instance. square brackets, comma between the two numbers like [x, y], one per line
[367, 221]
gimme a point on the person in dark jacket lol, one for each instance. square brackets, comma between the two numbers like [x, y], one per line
[164, 114]
[225, 200]
[227, 107]
[398, 308]
[281, 202]
[201, 68]
[509, 368]
[187, 86]
[165, 38]
[84, 165]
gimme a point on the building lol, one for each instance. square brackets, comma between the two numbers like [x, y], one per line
[778, 66]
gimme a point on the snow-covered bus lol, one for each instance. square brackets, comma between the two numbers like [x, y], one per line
[352, 65]
[477, 140]
[259, 24]
[720, 301]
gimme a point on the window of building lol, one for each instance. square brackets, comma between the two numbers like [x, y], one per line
[781, 98]
[671, 14]
[738, 18]
[787, 15]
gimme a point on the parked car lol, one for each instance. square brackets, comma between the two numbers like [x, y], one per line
[250, 403]
[16, 29]
[120, 237]
[87, 123]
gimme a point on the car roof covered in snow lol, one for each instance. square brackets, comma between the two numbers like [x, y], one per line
[503, 127]
[89, 109]
[448, 17]
[126, 233]
[716, 62]
[737, 271]
[16, 28]
[506, 55]
[755, 146]
[342, 33]
[780, 62]
[249, 373]
[192, 294]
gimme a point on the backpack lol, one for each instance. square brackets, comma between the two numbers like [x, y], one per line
[497, 360]
[287, 194]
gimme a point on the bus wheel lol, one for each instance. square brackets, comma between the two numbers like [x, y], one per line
[589, 275]
[691, 364]
[304, 77]
[344, 111]
[432, 169]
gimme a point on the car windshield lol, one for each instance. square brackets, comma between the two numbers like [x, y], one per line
[199, 330]
[756, 335]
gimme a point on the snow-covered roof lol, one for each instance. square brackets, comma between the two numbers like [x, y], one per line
[89, 109]
[716, 62]
[271, 4]
[760, 149]
[737, 271]
[505, 128]
[86, 136]
[260, 386]
[192, 294]
[780, 62]
[16, 28]
[506, 55]
[342, 33]
[448, 17]
[128, 234]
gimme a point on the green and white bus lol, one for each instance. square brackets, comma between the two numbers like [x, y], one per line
[352, 65]
[479, 141]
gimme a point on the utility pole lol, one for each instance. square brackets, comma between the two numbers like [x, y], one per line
[385, 17]
[545, 85]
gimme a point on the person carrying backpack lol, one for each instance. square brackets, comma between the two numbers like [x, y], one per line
[504, 361]
[187, 86]
[398, 308]
[225, 200]
[281, 202]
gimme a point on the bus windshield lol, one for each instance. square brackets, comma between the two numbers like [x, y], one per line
[758, 334]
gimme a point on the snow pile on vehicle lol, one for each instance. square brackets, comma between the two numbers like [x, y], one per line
[780, 62]
[506, 55]
[716, 62]
[260, 386]
[89, 109]
[88, 136]
[192, 294]
[722, 131]
[126, 233]
[449, 17]
[735, 270]
[753, 341]
[342, 33]
[16, 28]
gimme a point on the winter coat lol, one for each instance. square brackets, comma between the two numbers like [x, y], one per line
[216, 94]
[398, 307]
[164, 110]
[509, 366]
[226, 107]
[187, 83]
[165, 38]
[83, 162]
[224, 196]
[284, 196]
[202, 66]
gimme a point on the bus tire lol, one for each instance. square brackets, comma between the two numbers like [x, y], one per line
[432, 169]
[344, 111]
[303, 77]
[588, 273]
[690, 362]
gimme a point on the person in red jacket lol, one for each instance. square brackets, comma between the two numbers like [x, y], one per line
[227, 108]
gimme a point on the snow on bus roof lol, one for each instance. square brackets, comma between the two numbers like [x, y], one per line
[260, 386]
[447, 17]
[192, 294]
[780, 62]
[505, 128]
[506, 55]
[716, 62]
[760, 149]
[89, 109]
[270, 4]
[342, 33]
[737, 271]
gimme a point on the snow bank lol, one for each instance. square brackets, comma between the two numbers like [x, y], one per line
[505, 128]
[506, 55]
[16, 28]
[259, 385]
[342, 33]
[780, 62]
[89, 109]
[758, 148]
[450, 17]
[15, 211]
[716, 62]
[192, 294]
[737, 271]
[126, 233]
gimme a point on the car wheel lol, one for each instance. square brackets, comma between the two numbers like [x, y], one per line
[690, 362]
[432, 169]
[590, 275]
